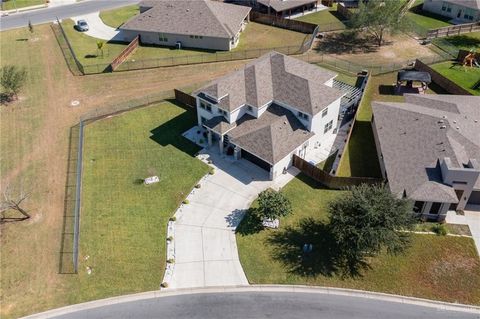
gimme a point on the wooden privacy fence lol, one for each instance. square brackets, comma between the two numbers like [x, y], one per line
[185, 98]
[453, 30]
[328, 180]
[278, 22]
[125, 53]
[448, 85]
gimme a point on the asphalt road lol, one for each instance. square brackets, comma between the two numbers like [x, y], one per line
[39, 16]
[265, 305]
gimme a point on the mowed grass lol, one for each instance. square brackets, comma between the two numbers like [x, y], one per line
[435, 267]
[17, 4]
[328, 20]
[467, 41]
[123, 222]
[116, 17]
[466, 77]
[428, 20]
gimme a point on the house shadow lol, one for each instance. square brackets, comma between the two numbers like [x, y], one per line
[362, 151]
[325, 259]
[170, 132]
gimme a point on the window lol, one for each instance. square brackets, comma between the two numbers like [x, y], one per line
[328, 127]
[201, 37]
[459, 182]
[206, 106]
[418, 206]
[196, 37]
[469, 14]
[303, 116]
[325, 112]
[446, 7]
[162, 38]
[191, 37]
[223, 112]
[435, 209]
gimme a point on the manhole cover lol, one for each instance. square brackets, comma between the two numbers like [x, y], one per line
[75, 103]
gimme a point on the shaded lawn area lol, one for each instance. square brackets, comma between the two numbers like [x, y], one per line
[426, 20]
[443, 268]
[328, 20]
[327, 164]
[466, 77]
[16, 4]
[123, 223]
[467, 41]
[116, 17]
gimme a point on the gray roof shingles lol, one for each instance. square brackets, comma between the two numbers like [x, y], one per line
[282, 5]
[190, 17]
[412, 141]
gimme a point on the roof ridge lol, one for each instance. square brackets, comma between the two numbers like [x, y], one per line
[224, 27]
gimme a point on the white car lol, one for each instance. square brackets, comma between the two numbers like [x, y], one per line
[81, 26]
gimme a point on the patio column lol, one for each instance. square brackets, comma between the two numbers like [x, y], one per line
[271, 173]
[209, 138]
[237, 153]
[220, 144]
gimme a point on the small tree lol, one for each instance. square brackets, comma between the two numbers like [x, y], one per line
[378, 17]
[30, 26]
[100, 47]
[13, 200]
[272, 204]
[12, 79]
[367, 220]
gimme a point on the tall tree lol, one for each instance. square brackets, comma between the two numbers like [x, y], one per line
[379, 17]
[12, 79]
[368, 220]
[272, 204]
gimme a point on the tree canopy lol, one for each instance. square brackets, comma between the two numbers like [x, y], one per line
[378, 17]
[12, 79]
[272, 204]
[368, 220]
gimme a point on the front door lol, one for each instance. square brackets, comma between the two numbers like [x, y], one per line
[459, 14]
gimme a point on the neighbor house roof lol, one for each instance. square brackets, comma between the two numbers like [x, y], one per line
[275, 77]
[190, 17]
[281, 5]
[272, 136]
[415, 135]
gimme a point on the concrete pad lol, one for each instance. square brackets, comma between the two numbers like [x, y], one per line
[188, 275]
[217, 244]
[473, 221]
[218, 273]
[188, 244]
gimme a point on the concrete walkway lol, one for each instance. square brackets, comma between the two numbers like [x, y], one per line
[204, 236]
[471, 218]
[98, 29]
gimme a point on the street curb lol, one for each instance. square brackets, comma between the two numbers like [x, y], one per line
[440, 305]
[24, 9]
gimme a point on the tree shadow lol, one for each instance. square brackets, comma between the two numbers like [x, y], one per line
[235, 217]
[464, 41]
[326, 258]
[170, 132]
[346, 42]
[250, 224]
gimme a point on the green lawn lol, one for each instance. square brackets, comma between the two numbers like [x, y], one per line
[465, 77]
[116, 17]
[17, 4]
[424, 20]
[436, 267]
[467, 41]
[327, 164]
[328, 20]
[123, 222]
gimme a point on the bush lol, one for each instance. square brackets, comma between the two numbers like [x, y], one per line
[439, 229]
[186, 201]
[170, 261]
[170, 238]
[172, 219]
[164, 285]
[198, 186]
[211, 172]
[272, 204]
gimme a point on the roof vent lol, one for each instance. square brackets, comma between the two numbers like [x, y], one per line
[443, 127]
[444, 116]
[454, 122]
[458, 128]
[285, 122]
[441, 121]
[476, 121]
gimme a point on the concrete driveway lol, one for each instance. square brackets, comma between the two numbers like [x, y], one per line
[205, 245]
[473, 221]
[98, 29]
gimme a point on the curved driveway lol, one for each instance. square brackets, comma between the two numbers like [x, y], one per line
[279, 305]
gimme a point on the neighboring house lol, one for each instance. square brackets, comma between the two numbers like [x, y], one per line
[429, 150]
[201, 24]
[461, 11]
[286, 8]
[269, 110]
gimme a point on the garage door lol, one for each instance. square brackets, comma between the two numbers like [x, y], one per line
[255, 160]
[474, 198]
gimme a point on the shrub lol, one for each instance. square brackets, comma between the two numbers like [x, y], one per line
[172, 219]
[198, 186]
[211, 172]
[164, 285]
[186, 201]
[439, 229]
[272, 204]
[169, 238]
[170, 261]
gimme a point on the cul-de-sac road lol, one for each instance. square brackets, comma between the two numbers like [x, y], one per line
[261, 304]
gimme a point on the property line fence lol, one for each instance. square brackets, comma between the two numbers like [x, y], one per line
[328, 180]
[132, 46]
[68, 53]
[453, 30]
[69, 247]
[279, 22]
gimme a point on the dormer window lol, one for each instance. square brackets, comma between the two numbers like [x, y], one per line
[205, 106]
[303, 115]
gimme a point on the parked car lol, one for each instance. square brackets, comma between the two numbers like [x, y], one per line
[81, 26]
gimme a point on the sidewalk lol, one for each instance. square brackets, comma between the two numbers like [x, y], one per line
[471, 218]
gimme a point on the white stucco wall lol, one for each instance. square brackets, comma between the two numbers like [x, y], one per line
[287, 161]
[318, 122]
[435, 6]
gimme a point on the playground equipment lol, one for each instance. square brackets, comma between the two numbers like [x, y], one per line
[471, 60]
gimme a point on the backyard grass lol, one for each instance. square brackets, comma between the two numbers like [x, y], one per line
[116, 17]
[466, 77]
[123, 224]
[328, 20]
[467, 41]
[426, 20]
[17, 4]
[436, 267]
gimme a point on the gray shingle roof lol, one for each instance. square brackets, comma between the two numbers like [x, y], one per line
[279, 78]
[412, 141]
[190, 17]
[474, 4]
[272, 136]
[281, 5]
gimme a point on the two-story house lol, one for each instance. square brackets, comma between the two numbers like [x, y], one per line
[269, 110]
